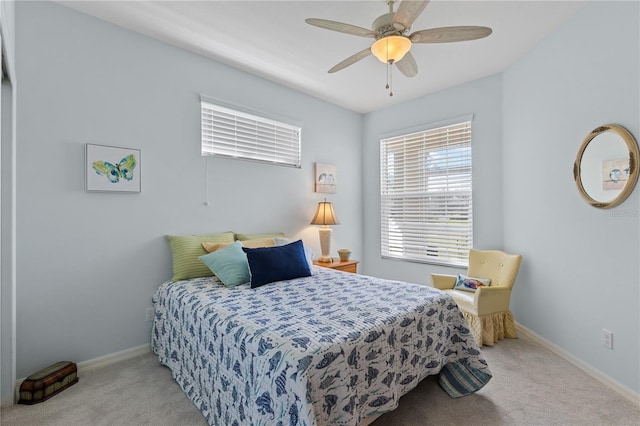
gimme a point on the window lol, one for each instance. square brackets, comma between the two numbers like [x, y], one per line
[425, 194]
[235, 134]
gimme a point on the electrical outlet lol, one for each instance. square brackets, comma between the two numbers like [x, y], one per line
[148, 315]
[607, 339]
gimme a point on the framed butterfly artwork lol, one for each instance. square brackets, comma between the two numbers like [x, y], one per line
[112, 169]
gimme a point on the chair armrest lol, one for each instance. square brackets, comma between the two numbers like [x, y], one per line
[492, 299]
[443, 282]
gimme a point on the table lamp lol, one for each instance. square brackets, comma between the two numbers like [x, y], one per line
[325, 216]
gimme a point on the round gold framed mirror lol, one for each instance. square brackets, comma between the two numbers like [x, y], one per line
[606, 167]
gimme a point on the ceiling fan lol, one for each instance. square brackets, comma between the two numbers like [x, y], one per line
[393, 41]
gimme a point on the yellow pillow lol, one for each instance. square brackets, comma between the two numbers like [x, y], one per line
[211, 247]
[185, 250]
[257, 243]
[245, 237]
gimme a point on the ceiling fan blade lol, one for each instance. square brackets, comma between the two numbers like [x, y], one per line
[351, 60]
[449, 34]
[407, 65]
[340, 27]
[407, 12]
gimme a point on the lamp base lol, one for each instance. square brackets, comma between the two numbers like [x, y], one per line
[325, 244]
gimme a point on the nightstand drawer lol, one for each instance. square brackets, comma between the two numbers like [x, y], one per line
[340, 265]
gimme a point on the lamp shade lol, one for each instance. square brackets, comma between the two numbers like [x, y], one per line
[325, 214]
[391, 49]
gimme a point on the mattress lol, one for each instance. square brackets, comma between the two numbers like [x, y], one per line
[333, 348]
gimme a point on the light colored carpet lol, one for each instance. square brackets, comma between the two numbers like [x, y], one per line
[531, 386]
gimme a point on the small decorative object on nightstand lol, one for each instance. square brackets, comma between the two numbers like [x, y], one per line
[340, 265]
[344, 254]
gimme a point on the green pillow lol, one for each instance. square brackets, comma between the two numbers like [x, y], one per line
[244, 237]
[185, 250]
[229, 264]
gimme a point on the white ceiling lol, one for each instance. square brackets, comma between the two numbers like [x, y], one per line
[271, 39]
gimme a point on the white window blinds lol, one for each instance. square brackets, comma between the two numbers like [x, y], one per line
[426, 201]
[236, 134]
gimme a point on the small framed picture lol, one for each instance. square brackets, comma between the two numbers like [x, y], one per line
[112, 169]
[326, 179]
[615, 174]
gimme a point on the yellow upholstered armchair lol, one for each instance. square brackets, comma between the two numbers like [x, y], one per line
[487, 309]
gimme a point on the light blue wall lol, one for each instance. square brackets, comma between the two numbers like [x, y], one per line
[483, 99]
[580, 268]
[7, 248]
[7, 206]
[88, 263]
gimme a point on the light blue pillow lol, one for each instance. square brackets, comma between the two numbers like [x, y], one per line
[471, 284]
[229, 264]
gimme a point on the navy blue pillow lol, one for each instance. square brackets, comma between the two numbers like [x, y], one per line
[270, 264]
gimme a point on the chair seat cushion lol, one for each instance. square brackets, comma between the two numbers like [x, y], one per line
[464, 299]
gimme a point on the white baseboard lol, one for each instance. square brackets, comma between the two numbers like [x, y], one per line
[101, 361]
[612, 384]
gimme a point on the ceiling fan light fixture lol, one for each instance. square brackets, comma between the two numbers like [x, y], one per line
[391, 49]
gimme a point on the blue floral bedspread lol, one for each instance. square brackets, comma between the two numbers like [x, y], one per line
[332, 348]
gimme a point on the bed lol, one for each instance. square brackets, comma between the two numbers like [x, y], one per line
[331, 348]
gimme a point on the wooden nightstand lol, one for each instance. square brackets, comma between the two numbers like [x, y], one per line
[340, 265]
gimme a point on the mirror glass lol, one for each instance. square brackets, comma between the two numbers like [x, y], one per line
[606, 166]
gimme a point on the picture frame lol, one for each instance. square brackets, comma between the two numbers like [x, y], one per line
[112, 169]
[615, 174]
[325, 178]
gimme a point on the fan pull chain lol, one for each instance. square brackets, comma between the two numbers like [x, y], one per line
[389, 79]
[387, 86]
